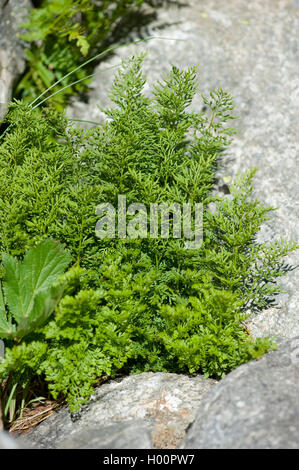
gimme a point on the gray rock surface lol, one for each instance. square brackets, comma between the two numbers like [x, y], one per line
[166, 403]
[250, 49]
[255, 407]
[12, 57]
[126, 435]
[7, 442]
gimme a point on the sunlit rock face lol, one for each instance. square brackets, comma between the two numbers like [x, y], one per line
[255, 407]
[12, 56]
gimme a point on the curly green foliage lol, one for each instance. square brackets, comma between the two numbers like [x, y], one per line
[43, 189]
[84, 341]
[206, 333]
[145, 303]
[62, 35]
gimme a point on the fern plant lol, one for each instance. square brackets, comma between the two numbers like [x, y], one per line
[136, 304]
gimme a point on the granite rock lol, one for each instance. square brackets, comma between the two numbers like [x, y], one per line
[12, 56]
[125, 435]
[255, 407]
[7, 442]
[166, 403]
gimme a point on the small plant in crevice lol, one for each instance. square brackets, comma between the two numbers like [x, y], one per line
[147, 303]
[62, 35]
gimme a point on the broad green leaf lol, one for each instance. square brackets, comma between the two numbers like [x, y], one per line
[28, 285]
[44, 304]
[6, 328]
